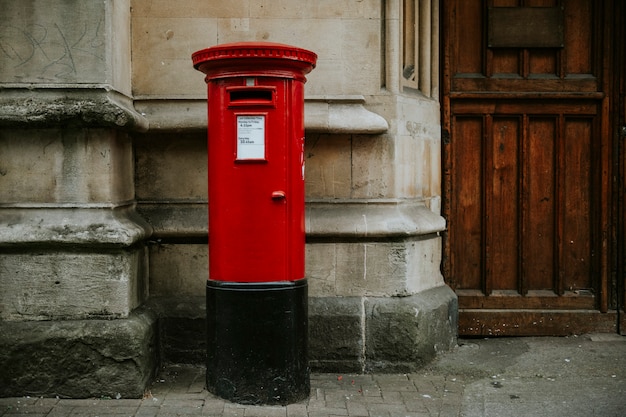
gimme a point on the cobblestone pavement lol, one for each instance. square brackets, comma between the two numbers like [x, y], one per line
[575, 376]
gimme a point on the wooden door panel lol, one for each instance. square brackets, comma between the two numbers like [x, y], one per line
[524, 205]
[572, 68]
[576, 219]
[467, 172]
[539, 248]
[467, 238]
[502, 204]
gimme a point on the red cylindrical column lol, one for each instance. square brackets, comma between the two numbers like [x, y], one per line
[256, 292]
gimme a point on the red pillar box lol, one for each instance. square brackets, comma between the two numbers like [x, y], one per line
[256, 293]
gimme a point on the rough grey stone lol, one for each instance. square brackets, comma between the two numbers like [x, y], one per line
[78, 358]
[346, 334]
[116, 227]
[182, 329]
[335, 334]
[92, 107]
[71, 285]
[404, 333]
[66, 44]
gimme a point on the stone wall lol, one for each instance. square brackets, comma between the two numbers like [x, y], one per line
[372, 165]
[73, 260]
[103, 182]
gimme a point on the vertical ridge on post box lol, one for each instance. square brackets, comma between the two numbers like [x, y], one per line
[256, 292]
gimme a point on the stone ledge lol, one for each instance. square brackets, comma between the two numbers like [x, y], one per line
[371, 219]
[174, 220]
[336, 220]
[83, 226]
[324, 114]
[342, 115]
[87, 105]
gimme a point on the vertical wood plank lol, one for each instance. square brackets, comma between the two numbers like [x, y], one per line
[468, 39]
[578, 37]
[503, 212]
[576, 215]
[467, 206]
[539, 219]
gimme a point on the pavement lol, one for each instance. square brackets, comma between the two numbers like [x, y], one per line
[567, 376]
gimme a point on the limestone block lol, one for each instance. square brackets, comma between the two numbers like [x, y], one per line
[404, 333]
[178, 220]
[51, 285]
[321, 272]
[182, 327]
[78, 358]
[171, 170]
[378, 269]
[374, 269]
[412, 168]
[424, 265]
[371, 158]
[167, 8]
[361, 56]
[336, 334]
[328, 166]
[418, 150]
[162, 48]
[321, 9]
[346, 36]
[118, 38]
[65, 166]
[66, 42]
[327, 78]
[178, 269]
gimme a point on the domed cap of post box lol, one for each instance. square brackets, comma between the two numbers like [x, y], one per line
[254, 59]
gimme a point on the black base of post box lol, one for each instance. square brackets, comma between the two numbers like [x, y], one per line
[258, 341]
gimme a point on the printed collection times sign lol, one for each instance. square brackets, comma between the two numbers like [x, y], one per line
[250, 137]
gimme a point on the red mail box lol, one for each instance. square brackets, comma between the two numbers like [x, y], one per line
[257, 322]
[256, 160]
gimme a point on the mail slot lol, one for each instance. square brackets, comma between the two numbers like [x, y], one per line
[256, 292]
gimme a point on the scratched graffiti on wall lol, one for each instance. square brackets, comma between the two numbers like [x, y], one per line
[62, 44]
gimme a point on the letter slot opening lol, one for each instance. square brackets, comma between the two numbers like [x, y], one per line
[251, 96]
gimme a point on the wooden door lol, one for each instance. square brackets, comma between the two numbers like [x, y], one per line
[528, 156]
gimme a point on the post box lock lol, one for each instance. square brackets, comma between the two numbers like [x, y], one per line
[278, 195]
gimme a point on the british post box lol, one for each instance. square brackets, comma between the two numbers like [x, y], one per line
[256, 292]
